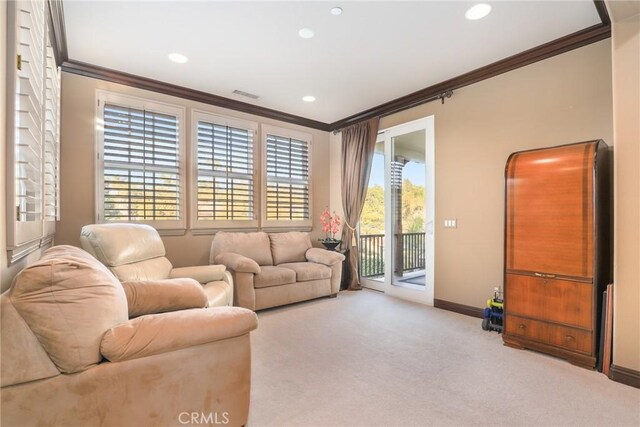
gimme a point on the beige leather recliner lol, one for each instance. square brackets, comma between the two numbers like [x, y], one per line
[276, 268]
[70, 356]
[136, 252]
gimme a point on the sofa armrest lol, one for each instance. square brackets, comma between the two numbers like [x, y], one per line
[162, 333]
[159, 296]
[202, 273]
[322, 256]
[237, 262]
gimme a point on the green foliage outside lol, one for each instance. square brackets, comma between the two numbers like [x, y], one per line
[372, 222]
[413, 209]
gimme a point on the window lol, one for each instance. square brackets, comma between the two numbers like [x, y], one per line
[225, 173]
[33, 86]
[287, 177]
[140, 163]
[51, 172]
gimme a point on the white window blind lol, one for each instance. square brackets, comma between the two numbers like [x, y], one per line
[51, 139]
[287, 178]
[33, 87]
[141, 171]
[29, 111]
[225, 175]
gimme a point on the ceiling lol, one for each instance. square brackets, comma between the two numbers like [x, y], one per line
[374, 52]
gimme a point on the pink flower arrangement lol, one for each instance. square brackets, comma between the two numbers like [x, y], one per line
[330, 224]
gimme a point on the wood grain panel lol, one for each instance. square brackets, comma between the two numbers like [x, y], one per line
[526, 328]
[549, 224]
[561, 301]
[571, 339]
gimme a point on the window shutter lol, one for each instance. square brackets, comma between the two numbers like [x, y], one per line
[29, 111]
[225, 173]
[141, 165]
[287, 185]
[51, 175]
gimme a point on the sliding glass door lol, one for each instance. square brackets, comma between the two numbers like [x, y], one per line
[396, 227]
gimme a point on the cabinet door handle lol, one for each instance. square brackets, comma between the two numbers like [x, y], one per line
[569, 338]
[522, 326]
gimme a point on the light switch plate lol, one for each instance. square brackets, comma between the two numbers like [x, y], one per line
[451, 223]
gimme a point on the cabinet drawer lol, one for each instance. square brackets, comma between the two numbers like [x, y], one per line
[561, 301]
[526, 328]
[571, 339]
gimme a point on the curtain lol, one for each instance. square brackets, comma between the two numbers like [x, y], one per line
[358, 146]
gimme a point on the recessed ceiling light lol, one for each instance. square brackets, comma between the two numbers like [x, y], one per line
[336, 11]
[478, 11]
[308, 98]
[178, 58]
[306, 33]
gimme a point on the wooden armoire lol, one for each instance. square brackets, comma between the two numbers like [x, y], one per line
[557, 249]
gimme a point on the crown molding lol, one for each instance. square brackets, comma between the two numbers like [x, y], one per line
[576, 40]
[563, 44]
[57, 31]
[601, 7]
[102, 73]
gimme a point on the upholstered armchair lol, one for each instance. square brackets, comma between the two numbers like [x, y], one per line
[77, 351]
[136, 252]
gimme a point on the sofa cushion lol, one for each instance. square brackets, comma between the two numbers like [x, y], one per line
[289, 247]
[306, 271]
[273, 276]
[251, 245]
[69, 300]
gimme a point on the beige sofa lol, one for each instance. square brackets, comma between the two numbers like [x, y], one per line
[71, 356]
[277, 268]
[136, 252]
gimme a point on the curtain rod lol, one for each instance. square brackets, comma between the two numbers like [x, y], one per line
[441, 96]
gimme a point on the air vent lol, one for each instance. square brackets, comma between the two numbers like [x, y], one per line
[247, 94]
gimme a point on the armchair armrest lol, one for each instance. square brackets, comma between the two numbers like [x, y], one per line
[238, 263]
[162, 333]
[202, 273]
[322, 256]
[159, 296]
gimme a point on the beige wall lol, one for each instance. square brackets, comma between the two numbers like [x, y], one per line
[560, 100]
[7, 272]
[78, 164]
[626, 119]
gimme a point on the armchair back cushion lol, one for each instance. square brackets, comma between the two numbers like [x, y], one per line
[255, 246]
[119, 244]
[69, 300]
[151, 269]
[289, 247]
[131, 251]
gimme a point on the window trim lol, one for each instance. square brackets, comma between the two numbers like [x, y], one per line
[279, 225]
[211, 226]
[25, 237]
[169, 227]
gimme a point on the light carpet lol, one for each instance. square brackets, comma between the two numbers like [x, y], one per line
[366, 359]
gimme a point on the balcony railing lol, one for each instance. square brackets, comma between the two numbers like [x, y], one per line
[409, 251]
